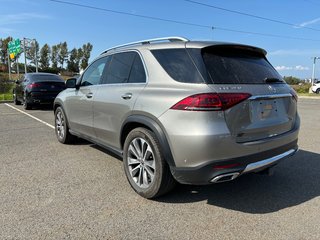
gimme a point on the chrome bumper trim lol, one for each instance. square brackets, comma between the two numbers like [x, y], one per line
[256, 165]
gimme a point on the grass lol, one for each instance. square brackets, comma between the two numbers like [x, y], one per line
[6, 96]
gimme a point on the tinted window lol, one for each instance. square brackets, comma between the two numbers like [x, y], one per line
[178, 64]
[235, 66]
[137, 74]
[120, 67]
[45, 77]
[94, 73]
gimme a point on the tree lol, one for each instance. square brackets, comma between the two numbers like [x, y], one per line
[32, 52]
[4, 50]
[62, 53]
[54, 57]
[86, 48]
[73, 63]
[292, 80]
[45, 57]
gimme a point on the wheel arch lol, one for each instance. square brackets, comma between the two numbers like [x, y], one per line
[135, 121]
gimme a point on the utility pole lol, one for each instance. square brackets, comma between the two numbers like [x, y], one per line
[313, 72]
[35, 54]
[17, 62]
[25, 57]
[9, 64]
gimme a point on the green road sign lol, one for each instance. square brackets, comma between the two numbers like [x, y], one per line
[14, 47]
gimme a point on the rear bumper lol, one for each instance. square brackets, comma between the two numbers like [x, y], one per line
[41, 98]
[225, 170]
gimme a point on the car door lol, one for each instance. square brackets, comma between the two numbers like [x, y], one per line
[80, 102]
[124, 80]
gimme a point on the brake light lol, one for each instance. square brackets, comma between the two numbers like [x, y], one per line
[294, 94]
[210, 101]
[33, 85]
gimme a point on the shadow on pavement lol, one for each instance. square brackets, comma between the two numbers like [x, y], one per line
[295, 181]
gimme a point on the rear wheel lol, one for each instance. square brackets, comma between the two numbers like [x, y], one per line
[26, 105]
[61, 127]
[146, 170]
[15, 99]
[318, 91]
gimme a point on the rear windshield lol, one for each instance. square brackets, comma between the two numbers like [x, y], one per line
[235, 66]
[178, 64]
[44, 77]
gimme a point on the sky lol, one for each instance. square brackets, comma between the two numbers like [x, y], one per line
[291, 35]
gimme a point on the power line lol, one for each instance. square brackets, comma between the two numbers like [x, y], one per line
[181, 22]
[251, 15]
[130, 14]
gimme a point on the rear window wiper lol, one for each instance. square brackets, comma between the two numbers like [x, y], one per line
[273, 80]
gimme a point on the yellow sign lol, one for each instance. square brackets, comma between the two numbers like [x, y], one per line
[12, 55]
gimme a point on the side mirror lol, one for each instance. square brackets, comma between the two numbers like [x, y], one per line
[17, 82]
[71, 83]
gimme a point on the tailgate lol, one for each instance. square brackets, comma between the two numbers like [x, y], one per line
[261, 117]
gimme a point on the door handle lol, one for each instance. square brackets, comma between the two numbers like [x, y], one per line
[127, 96]
[89, 95]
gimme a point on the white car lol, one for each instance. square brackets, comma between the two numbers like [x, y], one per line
[316, 87]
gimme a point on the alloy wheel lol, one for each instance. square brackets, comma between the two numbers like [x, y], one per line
[141, 162]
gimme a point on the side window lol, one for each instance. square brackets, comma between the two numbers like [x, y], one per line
[137, 74]
[119, 68]
[178, 64]
[94, 73]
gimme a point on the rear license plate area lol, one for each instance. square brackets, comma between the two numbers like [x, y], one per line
[264, 109]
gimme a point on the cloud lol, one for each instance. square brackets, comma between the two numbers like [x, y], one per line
[295, 68]
[10, 19]
[313, 21]
[294, 52]
[282, 68]
[301, 68]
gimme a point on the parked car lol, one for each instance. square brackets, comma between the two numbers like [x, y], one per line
[37, 88]
[182, 111]
[316, 87]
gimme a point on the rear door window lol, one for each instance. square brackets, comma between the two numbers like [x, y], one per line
[237, 66]
[125, 67]
[137, 73]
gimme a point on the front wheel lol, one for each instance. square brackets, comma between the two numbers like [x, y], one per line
[145, 168]
[61, 127]
[318, 91]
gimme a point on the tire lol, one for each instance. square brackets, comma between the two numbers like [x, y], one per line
[15, 99]
[26, 105]
[61, 127]
[145, 168]
[318, 91]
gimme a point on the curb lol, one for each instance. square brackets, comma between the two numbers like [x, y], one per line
[309, 97]
[6, 101]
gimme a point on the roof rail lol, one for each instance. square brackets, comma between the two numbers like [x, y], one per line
[148, 41]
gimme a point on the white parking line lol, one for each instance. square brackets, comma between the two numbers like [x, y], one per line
[29, 115]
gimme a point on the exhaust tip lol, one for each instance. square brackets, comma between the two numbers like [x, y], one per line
[225, 177]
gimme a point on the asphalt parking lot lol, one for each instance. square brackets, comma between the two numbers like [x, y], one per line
[53, 191]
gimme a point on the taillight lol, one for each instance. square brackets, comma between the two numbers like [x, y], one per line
[210, 101]
[33, 85]
[294, 94]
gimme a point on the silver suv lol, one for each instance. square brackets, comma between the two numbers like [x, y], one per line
[182, 111]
